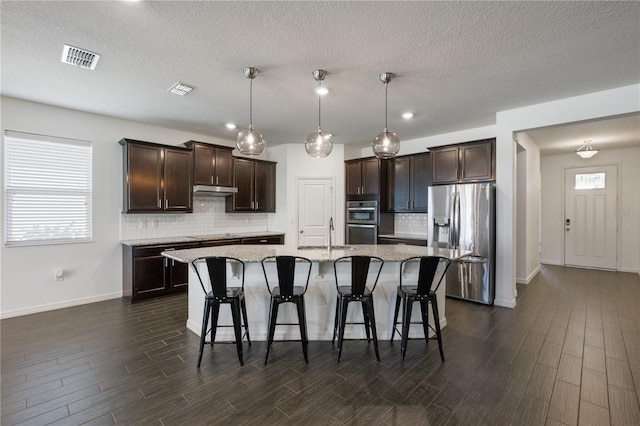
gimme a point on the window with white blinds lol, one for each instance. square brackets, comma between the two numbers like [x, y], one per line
[48, 190]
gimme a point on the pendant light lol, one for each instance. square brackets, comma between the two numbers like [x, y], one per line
[586, 150]
[319, 144]
[250, 142]
[386, 144]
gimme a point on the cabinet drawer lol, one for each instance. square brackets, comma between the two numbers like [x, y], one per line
[264, 240]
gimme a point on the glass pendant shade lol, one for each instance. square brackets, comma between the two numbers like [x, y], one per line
[250, 142]
[319, 144]
[386, 144]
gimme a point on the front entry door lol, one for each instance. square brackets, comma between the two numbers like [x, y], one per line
[315, 209]
[590, 227]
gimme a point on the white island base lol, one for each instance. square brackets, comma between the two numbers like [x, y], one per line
[320, 299]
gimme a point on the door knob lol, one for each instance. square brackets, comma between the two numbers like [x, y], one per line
[567, 229]
[302, 231]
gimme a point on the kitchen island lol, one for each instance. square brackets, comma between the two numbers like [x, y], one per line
[321, 295]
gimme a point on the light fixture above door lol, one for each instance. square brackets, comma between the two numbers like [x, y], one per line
[386, 144]
[250, 142]
[586, 150]
[319, 144]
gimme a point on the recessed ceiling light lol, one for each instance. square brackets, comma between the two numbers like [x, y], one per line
[230, 126]
[180, 89]
[321, 90]
[407, 115]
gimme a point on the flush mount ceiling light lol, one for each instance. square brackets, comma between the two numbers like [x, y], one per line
[386, 144]
[407, 115]
[179, 89]
[319, 144]
[79, 57]
[230, 126]
[586, 150]
[250, 142]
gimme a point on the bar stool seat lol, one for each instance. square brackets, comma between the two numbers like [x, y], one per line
[221, 294]
[287, 292]
[356, 291]
[428, 282]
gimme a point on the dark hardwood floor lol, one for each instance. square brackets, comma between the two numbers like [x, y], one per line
[568, 354]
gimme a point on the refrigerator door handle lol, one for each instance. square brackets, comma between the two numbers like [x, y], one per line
[455, 229]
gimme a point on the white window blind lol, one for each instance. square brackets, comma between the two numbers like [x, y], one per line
[48, 189]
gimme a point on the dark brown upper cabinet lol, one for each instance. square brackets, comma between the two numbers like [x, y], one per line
[363, 176]
[467, 162]
[408, 178]
[157, 179]
[256, 183]
[212, 164]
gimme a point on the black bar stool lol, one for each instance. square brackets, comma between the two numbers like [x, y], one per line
[287, 292]
[356, 291]
[425, 293]
[219, 294]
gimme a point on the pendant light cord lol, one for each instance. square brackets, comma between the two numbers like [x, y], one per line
[385, 106]
[251, 104]
[319, 105]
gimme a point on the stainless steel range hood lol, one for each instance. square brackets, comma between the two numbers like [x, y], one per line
[214, 191]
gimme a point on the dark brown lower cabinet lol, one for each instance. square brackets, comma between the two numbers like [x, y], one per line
[147, 274]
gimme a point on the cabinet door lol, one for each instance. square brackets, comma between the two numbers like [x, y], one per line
[223, 167]
[243, 179]
[370, 176]
[420, 181]
[265, 187]
[476, 162]
[144, 178]
[149, 276]
[178, 193]
[353, 173]
[445, 165]
[203, 163]
[400, 190]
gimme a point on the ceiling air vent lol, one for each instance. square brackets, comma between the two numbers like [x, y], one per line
[180, 89]
[79, 57]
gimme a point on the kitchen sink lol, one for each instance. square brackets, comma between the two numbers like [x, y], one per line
[351, 248]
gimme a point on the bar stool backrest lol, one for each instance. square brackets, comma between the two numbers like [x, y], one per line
[217, 270]
[359, 272]
[286, 267]
[427, 272]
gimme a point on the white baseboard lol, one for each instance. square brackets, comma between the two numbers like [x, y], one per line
[530, 277]
[59, 305]
[505, 303]
[551, 262]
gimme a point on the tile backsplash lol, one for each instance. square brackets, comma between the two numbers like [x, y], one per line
[410, 223]
[208, 217]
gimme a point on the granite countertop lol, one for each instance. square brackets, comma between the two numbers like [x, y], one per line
[197, 238]
[405, 236]
[250, 253]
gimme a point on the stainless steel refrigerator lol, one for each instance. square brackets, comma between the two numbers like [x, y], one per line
[463, 216]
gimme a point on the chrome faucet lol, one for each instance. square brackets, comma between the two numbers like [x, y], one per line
[330, 229]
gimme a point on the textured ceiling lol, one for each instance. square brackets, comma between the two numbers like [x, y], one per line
[457, 63]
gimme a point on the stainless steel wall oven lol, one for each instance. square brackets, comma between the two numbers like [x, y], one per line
[362, 222]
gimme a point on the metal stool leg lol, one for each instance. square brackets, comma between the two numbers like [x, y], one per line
[273, 315]
[203, 332]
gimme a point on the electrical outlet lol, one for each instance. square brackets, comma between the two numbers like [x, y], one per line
[59, 275]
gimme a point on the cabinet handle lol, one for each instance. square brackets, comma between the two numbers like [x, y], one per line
[256, 205]
[211, 180]
[216, 180]
[165, 262]
[252, 206]
[407, 204]
[263, 241]
[159, 203]
[166, 204]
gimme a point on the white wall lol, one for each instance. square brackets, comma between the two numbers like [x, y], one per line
[553, 167]
[297, 164]
[93, 269]
[531, 223]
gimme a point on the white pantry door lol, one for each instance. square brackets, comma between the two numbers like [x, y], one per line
[590, 228]
[315, 208]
